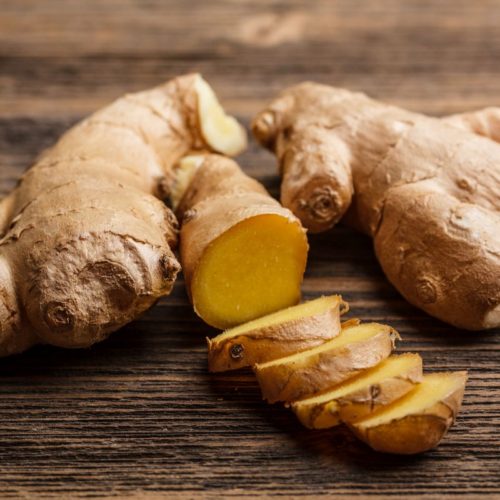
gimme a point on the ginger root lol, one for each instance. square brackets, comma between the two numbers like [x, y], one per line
[85, 240]
[426, 190]
[243, 255]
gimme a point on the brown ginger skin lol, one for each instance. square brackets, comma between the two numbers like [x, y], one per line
[426, 191]
[86, 241]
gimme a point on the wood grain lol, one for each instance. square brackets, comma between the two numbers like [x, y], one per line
[138, 415]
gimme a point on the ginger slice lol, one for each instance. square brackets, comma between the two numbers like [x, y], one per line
[320, 368]
[361, 396]
[418, 421]
[276, 335]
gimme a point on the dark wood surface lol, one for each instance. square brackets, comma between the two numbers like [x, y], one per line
[138, 415]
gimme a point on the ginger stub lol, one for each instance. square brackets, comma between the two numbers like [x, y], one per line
[242, 253]
[276, 335]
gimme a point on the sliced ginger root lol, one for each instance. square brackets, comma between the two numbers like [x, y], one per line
[243, 255]
[318, 369]
[273, 336]
[362, 395]
[418, 421]
[347, 377]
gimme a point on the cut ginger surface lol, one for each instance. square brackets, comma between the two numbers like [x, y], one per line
[348, 336]
[293, 313]
[251, 270]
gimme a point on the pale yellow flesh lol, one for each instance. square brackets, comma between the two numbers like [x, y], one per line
[347, 336]
[390, 367]
[221, 131]
[253, 269]
[304, 310]
[433, 388]
[184, 173]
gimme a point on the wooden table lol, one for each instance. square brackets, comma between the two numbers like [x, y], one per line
[138, 415]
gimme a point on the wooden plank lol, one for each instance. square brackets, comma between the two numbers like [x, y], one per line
[138, 415]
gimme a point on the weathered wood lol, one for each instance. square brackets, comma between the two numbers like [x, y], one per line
[139, 414]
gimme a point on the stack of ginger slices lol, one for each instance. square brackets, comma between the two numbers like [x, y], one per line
[331, 373]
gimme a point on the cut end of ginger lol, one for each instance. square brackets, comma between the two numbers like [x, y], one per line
[253, 269]
[185, 171]
[222, 132]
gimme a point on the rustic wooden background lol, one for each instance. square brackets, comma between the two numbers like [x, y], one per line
[138, 415]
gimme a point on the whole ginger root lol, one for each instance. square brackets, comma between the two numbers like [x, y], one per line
[85, 239]
[426, 190]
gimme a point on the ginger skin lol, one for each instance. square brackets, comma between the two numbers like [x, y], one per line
[85, 239]
[426, 190]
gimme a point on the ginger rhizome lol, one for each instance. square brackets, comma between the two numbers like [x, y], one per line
[243, 255]
[426, 190]
[345, 376]
[86, 241]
